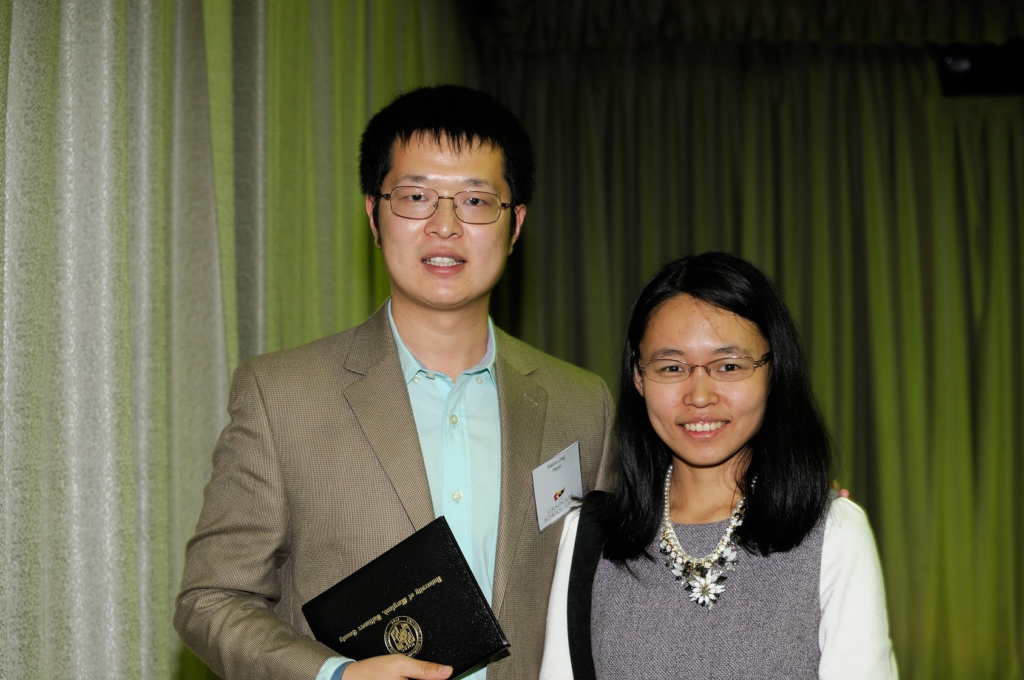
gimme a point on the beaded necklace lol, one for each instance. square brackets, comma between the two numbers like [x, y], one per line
[702, 576]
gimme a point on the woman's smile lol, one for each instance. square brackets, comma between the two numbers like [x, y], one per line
[705, 422]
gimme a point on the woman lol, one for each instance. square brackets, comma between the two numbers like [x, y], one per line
[721, 552]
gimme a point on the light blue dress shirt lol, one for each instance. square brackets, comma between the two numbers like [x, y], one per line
[459, 428]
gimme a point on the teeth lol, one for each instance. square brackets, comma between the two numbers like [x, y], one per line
[703, 427]
[442, 261]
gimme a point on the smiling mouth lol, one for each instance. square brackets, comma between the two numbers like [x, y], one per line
[443, 261]
[703, 427]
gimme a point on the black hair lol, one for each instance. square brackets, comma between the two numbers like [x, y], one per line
[457, 115]
[790, 454]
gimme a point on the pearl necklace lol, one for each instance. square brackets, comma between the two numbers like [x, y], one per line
[702, 577]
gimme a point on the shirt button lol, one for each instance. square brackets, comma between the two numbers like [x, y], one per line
[457, 496]
[430, 376]
[454, 420]
[416, 379]
[479, 381]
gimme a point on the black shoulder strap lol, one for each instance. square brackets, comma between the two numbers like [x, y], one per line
[585, 557]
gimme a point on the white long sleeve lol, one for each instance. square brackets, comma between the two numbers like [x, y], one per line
[556, 664]
[854, 632]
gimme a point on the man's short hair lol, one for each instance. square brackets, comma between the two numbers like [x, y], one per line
[455, 114]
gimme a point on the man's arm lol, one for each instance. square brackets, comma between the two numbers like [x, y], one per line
[224, 610]
[610, 448]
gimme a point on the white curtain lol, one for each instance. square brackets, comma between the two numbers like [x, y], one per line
[140, 144]
[113, 361]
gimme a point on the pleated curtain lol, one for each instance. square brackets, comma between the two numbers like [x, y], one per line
[891, 219]
[179, 193]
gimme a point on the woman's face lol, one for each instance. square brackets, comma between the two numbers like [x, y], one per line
[705, 422]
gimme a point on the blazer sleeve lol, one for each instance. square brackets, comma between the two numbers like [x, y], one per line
[609, 450]
[225, 610]
[854, 631]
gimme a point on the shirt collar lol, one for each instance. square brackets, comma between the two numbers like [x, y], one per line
[411, 366]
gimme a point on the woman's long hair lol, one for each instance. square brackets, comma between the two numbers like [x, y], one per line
[790, 454]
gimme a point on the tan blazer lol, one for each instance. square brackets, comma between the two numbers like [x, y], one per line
[320, 471]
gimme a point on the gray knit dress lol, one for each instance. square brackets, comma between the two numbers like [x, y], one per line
[765, 624]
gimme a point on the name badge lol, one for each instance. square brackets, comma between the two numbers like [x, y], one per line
[555, 483]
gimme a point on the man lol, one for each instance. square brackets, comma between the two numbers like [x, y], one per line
[340, 449]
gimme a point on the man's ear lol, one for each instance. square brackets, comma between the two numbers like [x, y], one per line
[519, 214]
[370, 203]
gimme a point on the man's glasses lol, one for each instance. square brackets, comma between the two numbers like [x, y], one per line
[727, 369]
[471, 207]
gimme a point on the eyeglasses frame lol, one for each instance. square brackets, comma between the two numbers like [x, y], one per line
[502, 205]
[758, 363]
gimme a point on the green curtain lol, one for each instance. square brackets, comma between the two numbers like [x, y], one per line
[329, 67]
[890, 218]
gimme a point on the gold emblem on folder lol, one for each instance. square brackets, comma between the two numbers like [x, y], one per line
[403, 636]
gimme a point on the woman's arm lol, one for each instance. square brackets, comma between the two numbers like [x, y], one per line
[556, 664]
[854, 632]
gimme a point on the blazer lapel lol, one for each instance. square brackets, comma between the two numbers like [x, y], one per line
[380, 402]
[522, 404]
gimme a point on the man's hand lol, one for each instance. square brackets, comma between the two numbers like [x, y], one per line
[395, 667]
[843, 493]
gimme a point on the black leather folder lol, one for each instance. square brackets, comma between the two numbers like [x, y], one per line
[419, 599]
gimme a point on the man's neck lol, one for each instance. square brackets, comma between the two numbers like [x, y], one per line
[448, 342]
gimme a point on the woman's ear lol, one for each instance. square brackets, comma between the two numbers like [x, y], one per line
[638, 380]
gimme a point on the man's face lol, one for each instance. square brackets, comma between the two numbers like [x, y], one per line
[441, 263]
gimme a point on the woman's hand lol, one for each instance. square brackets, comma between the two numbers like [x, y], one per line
[395, 667]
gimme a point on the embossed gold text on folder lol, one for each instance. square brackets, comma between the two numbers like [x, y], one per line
[419, 599]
